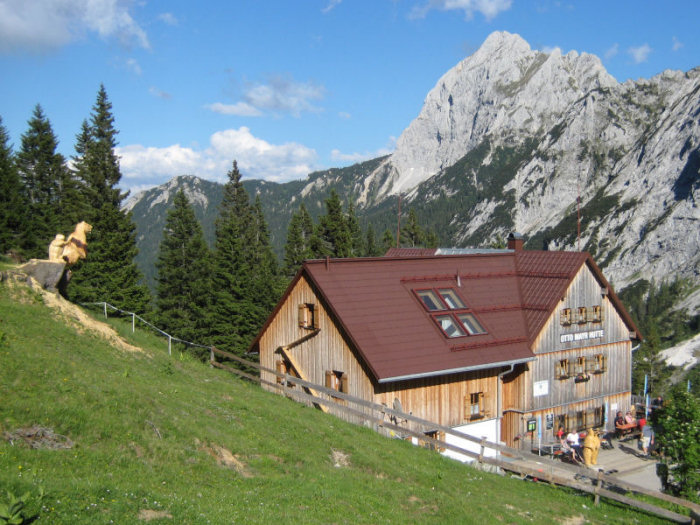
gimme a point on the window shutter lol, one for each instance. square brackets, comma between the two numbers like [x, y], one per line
[329, 379]
[344, 384]
[303, 316]
[281, 369]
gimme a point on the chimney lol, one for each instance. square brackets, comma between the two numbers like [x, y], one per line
[515, 241]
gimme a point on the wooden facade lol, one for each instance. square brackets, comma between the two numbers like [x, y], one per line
[578, 375]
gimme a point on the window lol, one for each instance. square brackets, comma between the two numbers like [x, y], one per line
[580, 366]
[308, 317]
[565, 316]
[451, 299]
[595, 314]
[448, 325]
[582, 316]
[430, 300]
[337, 380]
[561, 370]
[471, 324]
[453, 323]
[597, 364]
[474, 406]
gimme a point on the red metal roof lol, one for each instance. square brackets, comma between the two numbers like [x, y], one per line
[511, 293]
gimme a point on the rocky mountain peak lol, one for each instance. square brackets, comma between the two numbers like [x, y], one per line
[502, 89]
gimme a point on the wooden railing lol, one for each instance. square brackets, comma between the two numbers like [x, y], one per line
[507, 458]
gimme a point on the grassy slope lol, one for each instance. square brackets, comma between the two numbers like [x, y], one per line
[110, 403]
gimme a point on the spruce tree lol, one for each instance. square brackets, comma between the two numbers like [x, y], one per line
[388, 240]
[44, 177]
[371, 248]
[232, 316]
[11, 204]
[299, 241]
[109, 272]
[183, 279]
[266, 284]
[357, 245]
[333, 229]
[412, 234]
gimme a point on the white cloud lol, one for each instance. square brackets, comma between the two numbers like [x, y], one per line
[331, 4]
[676, 44]
[639, 54]
[551, 49]
[489, 8]
[240, 109]
[280, 94]
[42, 25]
[344, 115]
[133, 66]
[168, 18]
[339, 156]
[158, 93]
[148, 166]
[612, 51]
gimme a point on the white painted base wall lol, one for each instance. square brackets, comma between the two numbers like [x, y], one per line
[487, 429]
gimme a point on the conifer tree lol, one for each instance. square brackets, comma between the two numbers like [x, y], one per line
[388, 240]
[232, 316]
[109, 272]
[183, 279]
[371, 248]
[357, 247]
[45, 180]
[266, 284]
[333, 229]
[299, 241]
[412, 234]
[11, 205]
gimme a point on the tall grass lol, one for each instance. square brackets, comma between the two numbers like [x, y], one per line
[149, 432]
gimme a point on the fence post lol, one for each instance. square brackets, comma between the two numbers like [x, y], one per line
[133, 323]
[169, 344]
[481, 452]
[104, 305]
[211, 355]
[598, 484]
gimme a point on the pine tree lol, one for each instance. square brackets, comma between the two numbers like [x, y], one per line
[678, 437]
[183, 280]
[371, 248]
[388, 240]
[357, 245]
[232, 312]
[44, 177]
[11, 204]
[412, 234]
[333, 229]
[109, 272]
[266, 284]
[300, 241]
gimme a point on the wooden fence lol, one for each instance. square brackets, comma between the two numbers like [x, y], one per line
[380, 417]
[513, 460]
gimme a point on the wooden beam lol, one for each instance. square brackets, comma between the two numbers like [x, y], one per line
[284, 350]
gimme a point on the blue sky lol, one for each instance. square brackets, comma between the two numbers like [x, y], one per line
[287, 87]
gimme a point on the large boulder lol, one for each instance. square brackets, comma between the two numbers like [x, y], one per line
[47, 273]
